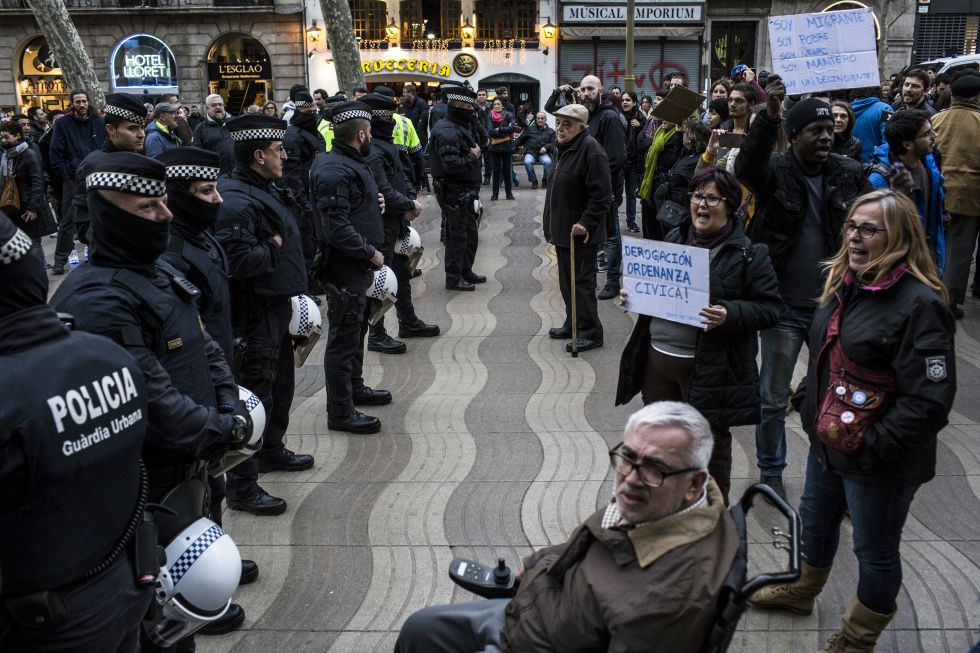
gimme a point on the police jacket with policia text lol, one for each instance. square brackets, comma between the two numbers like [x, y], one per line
[725, 383]
[70, 442]
[578, 192]
[450, 157]
[346, 196]
[253, 212]
[900, 325]
[781, 194]
[187, 376]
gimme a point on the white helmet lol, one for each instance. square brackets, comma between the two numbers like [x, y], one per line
[235, 456]
[410, 246]
[305, 327]
[196, 584]
[385, 290]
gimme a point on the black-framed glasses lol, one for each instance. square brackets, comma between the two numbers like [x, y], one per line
[867, 230]
[649, 475]
[710, 200]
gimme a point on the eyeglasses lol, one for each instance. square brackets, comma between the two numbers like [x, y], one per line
[867, 230]
[710, 200]
[930, 132]
[648, 474]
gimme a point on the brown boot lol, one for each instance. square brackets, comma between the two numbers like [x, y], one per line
[795, 597]
[859, 631]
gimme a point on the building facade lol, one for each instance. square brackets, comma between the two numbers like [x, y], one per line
[249, 51]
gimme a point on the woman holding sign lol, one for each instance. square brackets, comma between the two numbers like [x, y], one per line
[878, 390]
[713, 368]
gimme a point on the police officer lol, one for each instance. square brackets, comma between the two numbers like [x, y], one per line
[455, 161]
[127, 293]
[259, 234]
[73, 490]
[401, 207]
[302, 143]
[193, 198]
[124, 120]
[349, 206]
[325, 126]
[406, 141]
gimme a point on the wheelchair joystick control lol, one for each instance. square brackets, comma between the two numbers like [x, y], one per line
[499, 582]
[501, 575]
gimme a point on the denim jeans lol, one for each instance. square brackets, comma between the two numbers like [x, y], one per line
[631, 188]
[780, 348]
[530, 159]
[878, 515]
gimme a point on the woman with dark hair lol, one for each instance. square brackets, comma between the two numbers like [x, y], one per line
[269, 109]
[21, 164]
[879, 388]
[646, 105]
[501, 127]
[634, 128]
[695, 140]
[713, 367]
[845, 143]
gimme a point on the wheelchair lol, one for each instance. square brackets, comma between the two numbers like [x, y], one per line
[732, 602]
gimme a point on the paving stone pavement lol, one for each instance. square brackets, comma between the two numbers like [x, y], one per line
[496, 445]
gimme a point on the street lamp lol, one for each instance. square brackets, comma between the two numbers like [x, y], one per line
[467, 30]
[548, 29]
[391, 30]
[313, 34]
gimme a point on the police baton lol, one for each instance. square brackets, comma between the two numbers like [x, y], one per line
[571, 239]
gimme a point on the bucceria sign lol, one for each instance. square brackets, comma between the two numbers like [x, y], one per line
[405, 65]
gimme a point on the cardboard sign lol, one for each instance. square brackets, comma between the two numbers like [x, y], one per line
[825, 51]
[679, 104]
[665, 280]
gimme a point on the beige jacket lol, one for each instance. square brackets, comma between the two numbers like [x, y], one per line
[957, 134]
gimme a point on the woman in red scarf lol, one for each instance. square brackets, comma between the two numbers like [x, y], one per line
[501, 127]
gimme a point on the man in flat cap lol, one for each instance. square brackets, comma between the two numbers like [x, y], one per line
[124, 119]
[957, 134]
[303, 142]
[401, 207]
[161, 134]
[349, 207]
[456, 172]
[257, 229]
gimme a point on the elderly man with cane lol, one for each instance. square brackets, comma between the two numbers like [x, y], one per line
[575, 208]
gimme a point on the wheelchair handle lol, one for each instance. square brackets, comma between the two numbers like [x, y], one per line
[787, 541]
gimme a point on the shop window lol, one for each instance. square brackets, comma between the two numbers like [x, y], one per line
[506, 19]
[732, 42]
[240, 71]
[369, 17]
[430, 19]
[40, 82]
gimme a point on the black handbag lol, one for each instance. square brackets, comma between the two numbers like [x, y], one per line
[671, 214]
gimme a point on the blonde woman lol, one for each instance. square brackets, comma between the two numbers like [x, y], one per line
[879, 388]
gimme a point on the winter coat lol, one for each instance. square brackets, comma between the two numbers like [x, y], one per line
[680, 177]
[781, 195]
[957, 134]
[725, 382]
[497, 130]
[159, 140]
[533, 138]
[847, 145]
[579, 191]
[925, 105]
[214, 136]
[418, 112]
[606, 126]
[900, 325]
[931, 200]
[437, 113]
[29, 175]
[71, 141]
[869, 127]
[654, 588]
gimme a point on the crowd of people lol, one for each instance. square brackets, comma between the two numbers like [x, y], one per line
[844, 221]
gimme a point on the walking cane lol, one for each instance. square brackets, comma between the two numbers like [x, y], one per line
[571, 238]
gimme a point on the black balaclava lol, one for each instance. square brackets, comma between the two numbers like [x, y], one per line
[382, 129]
[305, 121]
[23, 281]
[459, 115]
[121, 239]
[186, 165]
[189, 210]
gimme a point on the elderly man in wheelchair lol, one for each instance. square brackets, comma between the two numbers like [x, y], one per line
[661, 568]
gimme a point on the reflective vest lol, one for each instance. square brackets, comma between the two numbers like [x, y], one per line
[325, 127]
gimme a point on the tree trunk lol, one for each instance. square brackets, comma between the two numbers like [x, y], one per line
[66, 46]
[343, 45]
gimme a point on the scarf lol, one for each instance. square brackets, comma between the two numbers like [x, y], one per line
[710, 241]
[660, 140]
[8, 158]
[496, 117]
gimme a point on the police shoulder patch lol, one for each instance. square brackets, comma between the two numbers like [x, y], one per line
[936, 368]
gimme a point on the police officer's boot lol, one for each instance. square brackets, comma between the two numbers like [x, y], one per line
[233, 618]
[380, 341]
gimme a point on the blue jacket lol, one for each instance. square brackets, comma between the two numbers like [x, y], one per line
[159, 140]
[72, 140]
[932, 224]
[869, 128]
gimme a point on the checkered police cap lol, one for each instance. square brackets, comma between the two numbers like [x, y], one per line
[382, 106]
[190, 163]
[303, 99]
[125, 107]
[256, 127]
[127, 172]
[350, 111]
[14, 243]
[459, 93]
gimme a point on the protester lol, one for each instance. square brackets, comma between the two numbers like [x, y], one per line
[269, 108]
[161, 134]
[646, 105]
[501, 127]
[632, 171]
[957, 135]
[714, 369]
[538, 141]
[21, 168]
[717, 113]
[720, 89]
[666, 148]
[212, 134]
[870, 116]
[879, 388]
[910, 145]
[415, 109]
[695, 141]
[914, 92]
[38, 123]
[845, 143]
[575, 212]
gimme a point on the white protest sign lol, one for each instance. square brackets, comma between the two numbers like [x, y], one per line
[825, 51]
[665, 280]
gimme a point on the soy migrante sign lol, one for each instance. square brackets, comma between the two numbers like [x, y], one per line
[232, 71]
[143, 62]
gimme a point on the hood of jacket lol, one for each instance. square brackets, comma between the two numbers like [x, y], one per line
[861, 105]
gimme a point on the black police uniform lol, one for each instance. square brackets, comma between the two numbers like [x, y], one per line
[265, 276]
[303, 143]
[347, 204]
[72, 498]
[457, 178]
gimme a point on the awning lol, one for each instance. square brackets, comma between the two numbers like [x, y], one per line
[575, 32]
